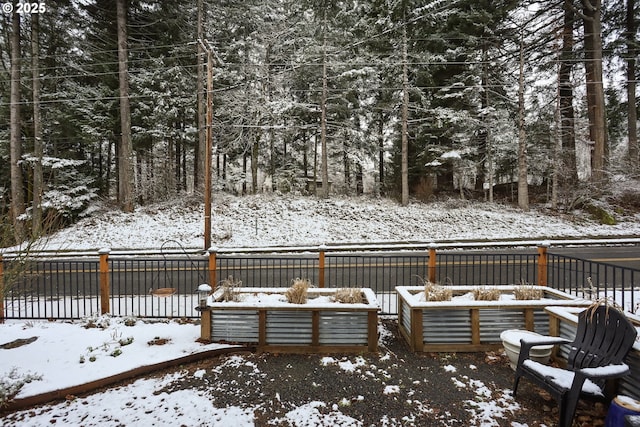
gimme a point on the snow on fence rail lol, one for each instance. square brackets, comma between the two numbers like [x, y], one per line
[164, 285]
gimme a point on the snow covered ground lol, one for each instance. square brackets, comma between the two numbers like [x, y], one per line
[274, 220]
[66, 353]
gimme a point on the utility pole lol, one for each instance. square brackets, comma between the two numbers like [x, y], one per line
[208, 146]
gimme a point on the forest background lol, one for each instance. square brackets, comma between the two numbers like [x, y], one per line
[118, 101]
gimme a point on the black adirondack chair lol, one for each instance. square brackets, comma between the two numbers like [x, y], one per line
[603, 339]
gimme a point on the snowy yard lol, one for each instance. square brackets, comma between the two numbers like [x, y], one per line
[66, 354]
[271, 220]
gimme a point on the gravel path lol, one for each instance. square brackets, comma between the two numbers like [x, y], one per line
[392, 388]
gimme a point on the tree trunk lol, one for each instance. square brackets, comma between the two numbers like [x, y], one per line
[178, 165]
[565, 89]
[17, 190]
[523, 187]
[199, 158]
[632, 118]
[271, 133]
[245, 160]
[305, 154]
[36, 218]
[405, 117]
[381, 153]
[324, 170]
[125, 187]
[595, 88]
[255, 150]
[483, 132]
[346, 166]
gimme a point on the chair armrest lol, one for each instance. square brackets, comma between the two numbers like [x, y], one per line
[604, 372]
[529, 342]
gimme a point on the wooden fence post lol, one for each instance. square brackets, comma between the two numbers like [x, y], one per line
[432, 263]
[213, 272]
[321, 251]
[542, 263]
[104, 280]
[1, 289]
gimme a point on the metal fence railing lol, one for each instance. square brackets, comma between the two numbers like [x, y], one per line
[164, 286]
[134, 286]
[460, 268]
[595, 280]
[267, 270]
[50, 289]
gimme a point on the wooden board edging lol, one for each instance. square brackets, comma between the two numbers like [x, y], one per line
[61, 394]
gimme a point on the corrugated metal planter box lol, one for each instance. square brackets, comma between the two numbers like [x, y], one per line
[468, 325]
[563, 322]
[319, 326]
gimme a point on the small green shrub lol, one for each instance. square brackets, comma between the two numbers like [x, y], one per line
[12, 382]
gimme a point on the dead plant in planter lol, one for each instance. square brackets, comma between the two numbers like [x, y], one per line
[527, 292]
[435, 292]
[486, 294]
[297, 293]
[348, 296]
[229, 288]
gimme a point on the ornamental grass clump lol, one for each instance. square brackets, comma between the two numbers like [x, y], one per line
[435, 292]
[297, 293]
[527, 292]
[348, 296]
[229, 288]
[486, 294]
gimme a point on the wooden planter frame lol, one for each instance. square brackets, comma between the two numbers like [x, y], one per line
[468, 325]
[294, 328]
[563, 322]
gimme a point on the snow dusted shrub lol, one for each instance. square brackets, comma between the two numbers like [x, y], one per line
[486, 294]
[297, 293]
[435, 292]
[527, 292]
[348, 296]
[12, 383]
[70, 197]
[95, 321]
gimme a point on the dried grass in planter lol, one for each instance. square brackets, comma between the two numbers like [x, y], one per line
[527, 292]
[297, 293]
[435, 292]
[486, 294]
[230, 289]
[348, 296]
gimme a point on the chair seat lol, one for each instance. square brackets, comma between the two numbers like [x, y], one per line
[560, 379]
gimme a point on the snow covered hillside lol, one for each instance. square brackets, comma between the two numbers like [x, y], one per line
[276, 220]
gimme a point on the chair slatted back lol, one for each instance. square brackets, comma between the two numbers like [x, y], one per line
[604, 337]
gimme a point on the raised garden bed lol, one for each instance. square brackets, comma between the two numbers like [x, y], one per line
[263, 318]
[464, 324]
[563, 322]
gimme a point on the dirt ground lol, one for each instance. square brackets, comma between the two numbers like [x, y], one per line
[393, 387]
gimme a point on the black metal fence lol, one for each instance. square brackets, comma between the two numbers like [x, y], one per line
[165, 286]
[460, 268]
[595, 280]
[50, 288]
[134, 286]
